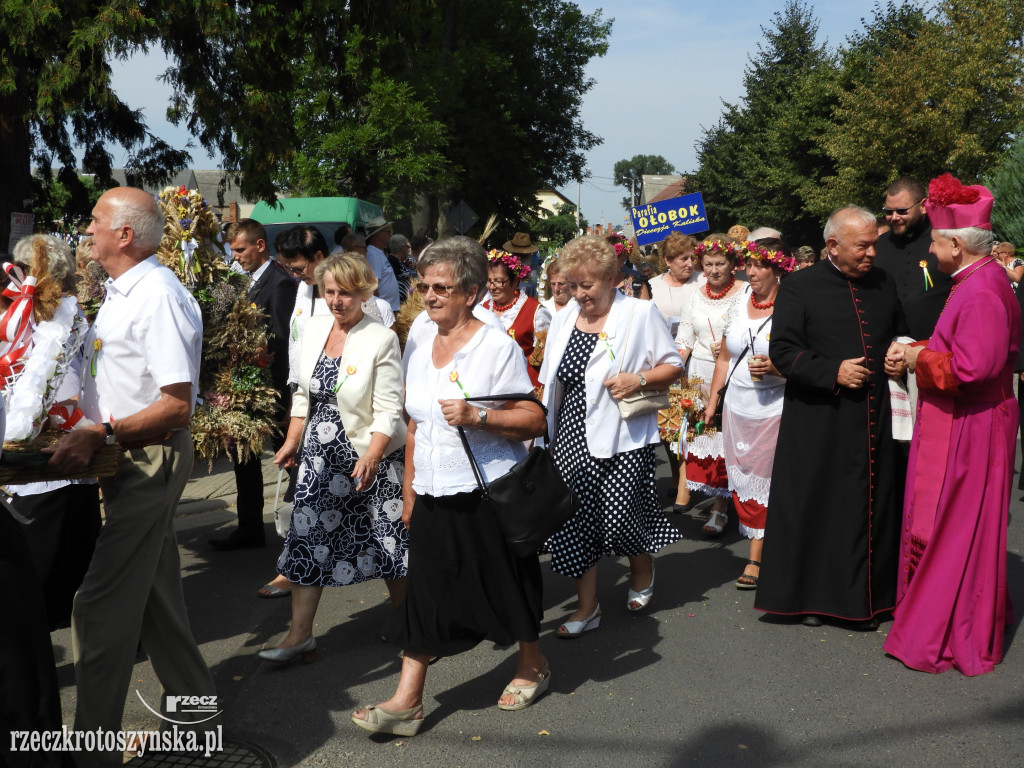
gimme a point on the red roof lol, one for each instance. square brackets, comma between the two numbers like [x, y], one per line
[675, 189]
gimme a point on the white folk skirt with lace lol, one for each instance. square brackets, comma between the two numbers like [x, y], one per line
[750, 430]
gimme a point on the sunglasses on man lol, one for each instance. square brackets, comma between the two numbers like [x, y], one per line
[900, 211]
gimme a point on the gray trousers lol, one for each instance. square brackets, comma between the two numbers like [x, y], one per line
[132, 591]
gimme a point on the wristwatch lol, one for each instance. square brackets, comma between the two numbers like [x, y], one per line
[482, 413]
[111, 438]
[643, 381]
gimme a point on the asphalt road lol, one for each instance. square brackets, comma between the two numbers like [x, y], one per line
[699, 679]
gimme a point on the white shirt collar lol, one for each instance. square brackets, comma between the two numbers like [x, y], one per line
[128, 280]
[259, 272]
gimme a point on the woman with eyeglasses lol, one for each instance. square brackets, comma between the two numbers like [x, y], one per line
[346, 525]
[1005, 253]
[464, 585]
[521, 315]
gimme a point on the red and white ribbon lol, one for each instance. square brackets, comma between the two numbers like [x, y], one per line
[16, 326]
[15, 279]
[65, 417]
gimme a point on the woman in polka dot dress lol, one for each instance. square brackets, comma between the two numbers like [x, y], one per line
[346, 525]
[604, 348]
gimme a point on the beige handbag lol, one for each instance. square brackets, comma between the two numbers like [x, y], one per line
[641, 402]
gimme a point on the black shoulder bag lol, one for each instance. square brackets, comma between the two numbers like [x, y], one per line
[531, 501]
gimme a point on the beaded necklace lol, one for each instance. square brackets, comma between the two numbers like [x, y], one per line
[717, 296]
[505, 307]
[766, 305]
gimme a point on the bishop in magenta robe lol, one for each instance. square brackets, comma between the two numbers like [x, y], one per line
[952, 602]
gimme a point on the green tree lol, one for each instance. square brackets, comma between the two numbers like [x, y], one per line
[385, 146]
[478, 100]
[761, 160]
[629, 174]
[66, 201]
[494, 89]
[558, 228]
[1007, 186]
[55, 95]
[942, 93]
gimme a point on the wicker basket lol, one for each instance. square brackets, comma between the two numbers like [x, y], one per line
[24, 462]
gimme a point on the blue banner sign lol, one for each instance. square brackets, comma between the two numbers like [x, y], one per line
[653, 222]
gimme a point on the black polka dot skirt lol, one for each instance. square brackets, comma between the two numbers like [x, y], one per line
[619, 510]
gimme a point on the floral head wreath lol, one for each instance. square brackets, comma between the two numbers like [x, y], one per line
[511, 262]
[728, 248]
[752, 250]
[620, 244]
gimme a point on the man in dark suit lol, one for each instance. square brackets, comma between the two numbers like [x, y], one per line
[272, 289]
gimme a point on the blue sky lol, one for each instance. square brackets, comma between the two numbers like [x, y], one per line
[669, 66]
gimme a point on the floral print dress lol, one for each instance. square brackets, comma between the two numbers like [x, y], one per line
[338, 536]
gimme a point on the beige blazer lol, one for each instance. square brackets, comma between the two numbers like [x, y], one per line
[370, 372]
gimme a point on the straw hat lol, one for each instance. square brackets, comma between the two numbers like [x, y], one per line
[376, 225]
[738, 233]
[520, 244]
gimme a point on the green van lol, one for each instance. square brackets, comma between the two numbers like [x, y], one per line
[324, 213]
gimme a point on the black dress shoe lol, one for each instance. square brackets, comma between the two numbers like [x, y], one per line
[871, 625]
[810, 620]
[234, 541]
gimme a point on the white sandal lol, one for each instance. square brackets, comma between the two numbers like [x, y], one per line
[713, 528]
[525, 695]
[576, 628]
[643, 597]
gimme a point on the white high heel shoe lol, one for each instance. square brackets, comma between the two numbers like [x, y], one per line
[643, 597]
[577, 628]
[306, 649]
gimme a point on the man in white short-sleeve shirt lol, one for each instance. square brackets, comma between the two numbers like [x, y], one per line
[141, 377]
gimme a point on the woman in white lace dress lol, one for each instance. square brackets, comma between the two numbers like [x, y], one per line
[753, 401]
[699, 339]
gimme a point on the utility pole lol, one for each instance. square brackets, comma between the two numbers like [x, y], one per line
[579, 185]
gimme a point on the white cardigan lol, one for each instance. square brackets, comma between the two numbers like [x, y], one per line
[370, 399]
[648, 344]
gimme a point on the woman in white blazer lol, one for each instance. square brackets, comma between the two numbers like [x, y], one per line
[603, 348]
[346, 524]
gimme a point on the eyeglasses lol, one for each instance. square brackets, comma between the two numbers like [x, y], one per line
[498, 283]
[900, 211]
[440, 289]
[556, 284]
[298, 270]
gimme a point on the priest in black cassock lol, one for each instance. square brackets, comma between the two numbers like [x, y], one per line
[903, 252]
[833, 541]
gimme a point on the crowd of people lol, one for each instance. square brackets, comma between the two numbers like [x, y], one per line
[889, 362]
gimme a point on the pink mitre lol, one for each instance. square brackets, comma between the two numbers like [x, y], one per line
[951, 205]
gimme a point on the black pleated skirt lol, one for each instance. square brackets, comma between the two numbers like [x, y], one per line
[464, 584]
